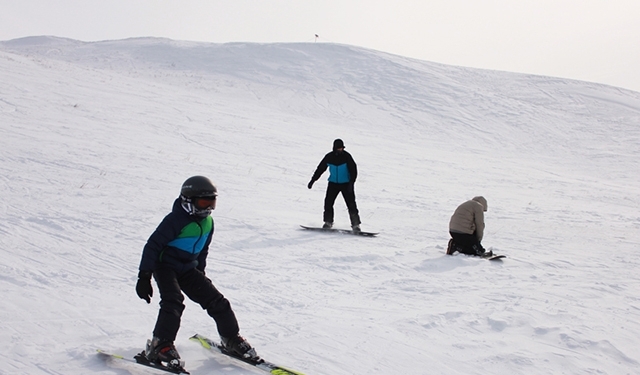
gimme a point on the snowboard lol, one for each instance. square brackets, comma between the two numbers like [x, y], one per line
[487, 257]
[259, 363]
[141, 359]
[494, 257]
[342, 231]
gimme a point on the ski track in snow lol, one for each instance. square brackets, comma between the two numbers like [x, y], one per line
[97, 138]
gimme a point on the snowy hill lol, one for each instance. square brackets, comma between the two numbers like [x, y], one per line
[96, 139]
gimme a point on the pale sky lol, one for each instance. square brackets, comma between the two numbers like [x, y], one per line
[590, 40]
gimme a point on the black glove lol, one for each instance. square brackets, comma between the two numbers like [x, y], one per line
[143, 286]
[310, 184]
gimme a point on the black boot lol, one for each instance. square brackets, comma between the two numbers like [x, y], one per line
[159, 350]
[239, 346]
[450, 247]
[355, 222]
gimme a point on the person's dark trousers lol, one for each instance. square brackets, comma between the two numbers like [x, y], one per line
[467, 243]
[200, 290]
[349, 196]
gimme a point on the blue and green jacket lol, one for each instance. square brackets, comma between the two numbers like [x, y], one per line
[181, 242]
[342, 168]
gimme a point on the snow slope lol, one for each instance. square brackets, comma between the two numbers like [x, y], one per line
[96, 139]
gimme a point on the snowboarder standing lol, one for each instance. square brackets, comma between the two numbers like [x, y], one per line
[175, 255]
[343, 172]
[466, 227]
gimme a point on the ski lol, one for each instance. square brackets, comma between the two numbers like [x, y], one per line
[141, 359]
[260, 363]
[342, 231]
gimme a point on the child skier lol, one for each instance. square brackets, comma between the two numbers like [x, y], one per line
[175, 255]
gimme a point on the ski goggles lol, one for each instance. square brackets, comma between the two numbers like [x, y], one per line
[204, 202]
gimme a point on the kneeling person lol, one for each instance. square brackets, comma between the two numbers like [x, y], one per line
[466, 227]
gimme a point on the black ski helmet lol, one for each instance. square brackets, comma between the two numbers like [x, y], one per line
[198, 186]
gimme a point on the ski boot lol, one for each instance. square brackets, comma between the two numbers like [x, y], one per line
[327, 225]
[356, 228]
[240, 347]
[164, 353]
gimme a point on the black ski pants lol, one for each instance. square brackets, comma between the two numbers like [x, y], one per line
[467, 243]
[200, 290]
[349, 195]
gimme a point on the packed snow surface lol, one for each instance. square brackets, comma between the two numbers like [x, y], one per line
[97, 138]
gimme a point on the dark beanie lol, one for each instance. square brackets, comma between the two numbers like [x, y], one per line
[338, 144]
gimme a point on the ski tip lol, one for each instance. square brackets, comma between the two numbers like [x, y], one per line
[285, 371]
[107, 354]
[205, 342]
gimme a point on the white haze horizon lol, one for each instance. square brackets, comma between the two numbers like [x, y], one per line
[588, 40]
[97, 138]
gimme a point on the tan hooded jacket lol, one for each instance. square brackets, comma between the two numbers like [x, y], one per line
[469, 217]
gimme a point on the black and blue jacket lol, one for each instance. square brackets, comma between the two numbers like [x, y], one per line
[342, 168]
[180, 242]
